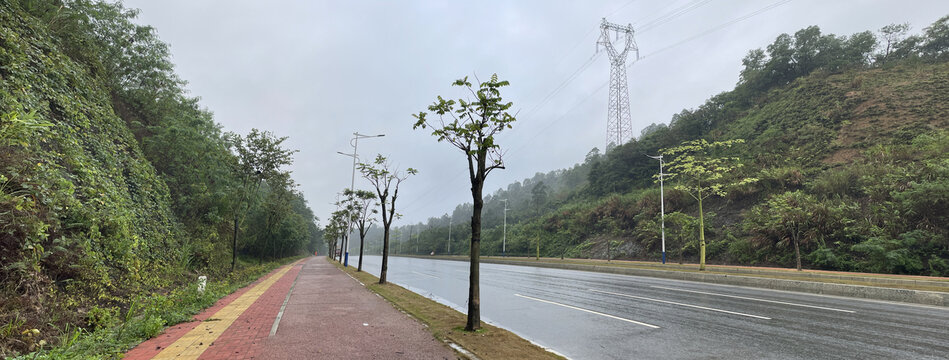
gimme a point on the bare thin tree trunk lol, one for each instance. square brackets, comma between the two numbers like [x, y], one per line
[474, 289]
[474, 298]
[362, 240]
[234, 247]
[386, 222]
[797, 251]
[701, 235]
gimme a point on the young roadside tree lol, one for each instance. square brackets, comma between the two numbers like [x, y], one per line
[788, 217]
[701, 174]
[385, 178]
[334, 231]
[363, 214]
[470, 125]
[259, 156]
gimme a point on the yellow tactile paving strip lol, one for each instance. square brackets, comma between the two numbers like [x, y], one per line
[196, 341]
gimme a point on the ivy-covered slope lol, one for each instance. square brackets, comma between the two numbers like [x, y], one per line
[116, 186]
[83, 216]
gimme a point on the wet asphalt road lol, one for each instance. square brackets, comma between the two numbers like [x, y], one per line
[585, 315]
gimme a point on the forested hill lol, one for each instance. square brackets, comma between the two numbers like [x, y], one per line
[114, 183]
[848, 137]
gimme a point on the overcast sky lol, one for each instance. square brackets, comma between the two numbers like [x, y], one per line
[317, 71]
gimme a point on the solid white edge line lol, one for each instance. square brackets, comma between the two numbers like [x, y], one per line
[276, 322]
[682, 304]
[424, 274]
[755, 299]
[589, 311]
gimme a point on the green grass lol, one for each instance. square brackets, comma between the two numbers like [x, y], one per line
[113, 332]
[447, 324]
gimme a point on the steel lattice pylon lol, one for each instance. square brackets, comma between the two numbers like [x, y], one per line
[619, 126]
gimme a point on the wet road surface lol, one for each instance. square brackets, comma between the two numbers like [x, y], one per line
[586, 315]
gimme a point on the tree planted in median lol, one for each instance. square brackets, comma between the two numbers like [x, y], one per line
[470, 125]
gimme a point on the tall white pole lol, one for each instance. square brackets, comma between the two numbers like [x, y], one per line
[352, 185]
[504, 232]
[662, 211]
[449, 235]
[662, 207]
[333, 255]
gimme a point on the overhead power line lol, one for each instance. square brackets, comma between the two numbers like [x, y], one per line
[655, 23]
[719, 27]
[682, 10]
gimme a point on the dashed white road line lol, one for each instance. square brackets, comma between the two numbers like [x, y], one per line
[682, 304]
[589, 311]
[755, 299]
[424, 274]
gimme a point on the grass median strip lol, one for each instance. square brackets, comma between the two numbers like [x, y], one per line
[863, 279]
[447, 324]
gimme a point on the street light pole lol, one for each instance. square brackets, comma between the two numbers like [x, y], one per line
[662, 207]
[449, 235]
[352, 185]
[333, 255]
[504, 232]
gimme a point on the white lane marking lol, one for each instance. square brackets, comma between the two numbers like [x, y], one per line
[755, 299]
[276, 322]
[589, 311]
[424, 274]
[681, 304]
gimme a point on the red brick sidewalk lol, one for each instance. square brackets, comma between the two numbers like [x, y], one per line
[242, 340]
[331, 316]
[328, 315]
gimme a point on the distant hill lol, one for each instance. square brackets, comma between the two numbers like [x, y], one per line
[859, 135]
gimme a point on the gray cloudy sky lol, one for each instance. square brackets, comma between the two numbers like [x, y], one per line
[318, 70]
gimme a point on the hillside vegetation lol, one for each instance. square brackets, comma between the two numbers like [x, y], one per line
[847, 136]
[116, 188]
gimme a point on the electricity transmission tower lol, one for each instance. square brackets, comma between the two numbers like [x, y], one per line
[619, 127]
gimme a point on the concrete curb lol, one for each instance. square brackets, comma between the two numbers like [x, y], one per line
[812, 275]
[857, 291]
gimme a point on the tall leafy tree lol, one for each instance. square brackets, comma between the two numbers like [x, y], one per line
[701, 174]
[385, 178]
[260, 156]
[470, 125]
[937, 39]
[892, 35]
